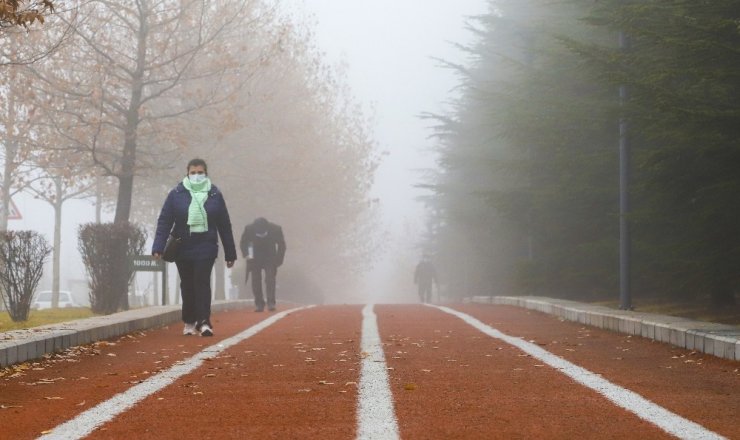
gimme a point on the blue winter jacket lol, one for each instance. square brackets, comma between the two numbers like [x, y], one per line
[195, 246]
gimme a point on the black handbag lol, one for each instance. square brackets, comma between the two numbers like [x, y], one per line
[171, 249]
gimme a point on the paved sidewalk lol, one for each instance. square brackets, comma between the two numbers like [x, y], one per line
[18, 346]
[716, 339]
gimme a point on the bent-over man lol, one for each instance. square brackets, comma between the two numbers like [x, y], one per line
[263, 246]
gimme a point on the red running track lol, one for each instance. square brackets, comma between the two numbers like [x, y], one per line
[299, 378]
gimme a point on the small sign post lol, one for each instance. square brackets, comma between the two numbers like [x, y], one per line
[13, 212]
[147, 263]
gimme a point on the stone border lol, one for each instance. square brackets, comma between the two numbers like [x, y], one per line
[715, 339]
[18, 346]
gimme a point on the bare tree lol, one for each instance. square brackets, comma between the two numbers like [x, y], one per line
[24, 43]
[16, 137]
[301, 155]
[136, 72]
[58, 186]
[20, 105]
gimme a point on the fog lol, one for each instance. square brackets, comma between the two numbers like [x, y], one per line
[391, 50]
[382, 55]
[526, 147]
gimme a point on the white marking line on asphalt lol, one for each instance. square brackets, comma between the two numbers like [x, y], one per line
[376, 418]
[629, 400]
[93, 418]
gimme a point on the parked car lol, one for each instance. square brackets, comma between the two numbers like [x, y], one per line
[43, 300]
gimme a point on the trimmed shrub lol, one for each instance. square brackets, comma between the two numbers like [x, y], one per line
[107, 249]
[22, 256]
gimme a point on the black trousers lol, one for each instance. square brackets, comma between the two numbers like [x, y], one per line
[425, 292]
[195, 289]
[270, 277]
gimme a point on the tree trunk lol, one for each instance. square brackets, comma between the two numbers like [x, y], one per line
[123, 203]
[128, 157]
[11, 151]
[57, 249]
[128, 164]
[98, 199]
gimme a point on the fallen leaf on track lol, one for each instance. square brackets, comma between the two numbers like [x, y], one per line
[50, 380]
[409, 387]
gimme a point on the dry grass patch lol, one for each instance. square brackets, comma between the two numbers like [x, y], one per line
[44, 317]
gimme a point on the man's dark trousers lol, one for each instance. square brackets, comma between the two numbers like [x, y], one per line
[425, 292]
[270, 276]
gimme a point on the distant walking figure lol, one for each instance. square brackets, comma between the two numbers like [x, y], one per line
[263, 245]
[424, 276]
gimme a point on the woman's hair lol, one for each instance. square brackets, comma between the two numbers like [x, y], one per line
[197, 162]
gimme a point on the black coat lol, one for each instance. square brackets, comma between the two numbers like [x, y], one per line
[268, 244]
[425, 274]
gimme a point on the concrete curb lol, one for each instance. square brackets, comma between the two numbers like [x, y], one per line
[715, 339]
[18, 346]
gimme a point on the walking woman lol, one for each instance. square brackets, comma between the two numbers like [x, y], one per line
[197, 210]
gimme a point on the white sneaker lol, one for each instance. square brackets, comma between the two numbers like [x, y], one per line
[205, 330]
[189, 329]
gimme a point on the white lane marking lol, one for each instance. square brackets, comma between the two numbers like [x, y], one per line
[376, 418]
[93, 418]
[669, 422]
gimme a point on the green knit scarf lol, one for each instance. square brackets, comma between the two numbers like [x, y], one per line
[197, 216]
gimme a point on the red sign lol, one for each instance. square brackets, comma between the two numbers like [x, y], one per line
[13, 212]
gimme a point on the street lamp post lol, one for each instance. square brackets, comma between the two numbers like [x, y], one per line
[625, 296]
